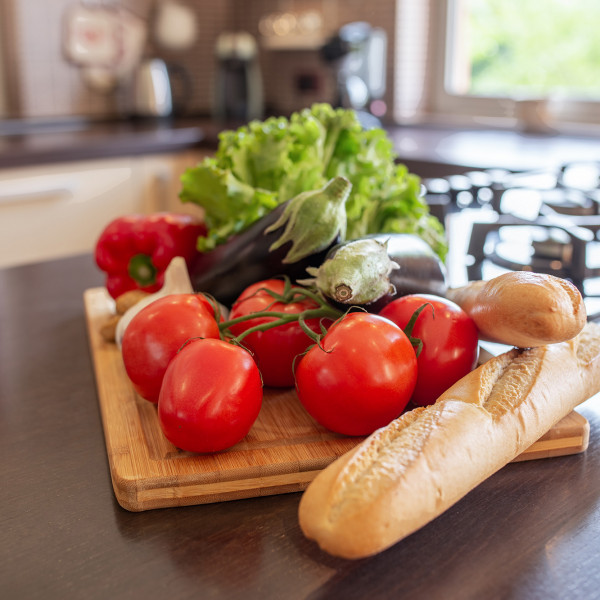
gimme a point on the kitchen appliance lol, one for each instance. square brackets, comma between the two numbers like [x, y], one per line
[546, 221]
[152, 93]
[152, 89]
[357, 55]
[238, 81]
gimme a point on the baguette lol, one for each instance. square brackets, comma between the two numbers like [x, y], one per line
[523, 309]
[407, 473]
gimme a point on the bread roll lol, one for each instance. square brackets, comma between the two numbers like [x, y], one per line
[523, 309]
[406, 474]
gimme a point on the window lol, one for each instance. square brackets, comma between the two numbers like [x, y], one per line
[533, 63]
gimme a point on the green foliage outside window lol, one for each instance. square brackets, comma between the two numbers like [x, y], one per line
[532, 48]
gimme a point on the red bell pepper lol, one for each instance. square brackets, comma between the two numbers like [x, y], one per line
[135, 250]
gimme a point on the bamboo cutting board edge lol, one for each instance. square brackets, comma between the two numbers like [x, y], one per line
[282, 453]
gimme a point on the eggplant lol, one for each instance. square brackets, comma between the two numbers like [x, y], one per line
[421, 269]
[373, 270]
[284, 242]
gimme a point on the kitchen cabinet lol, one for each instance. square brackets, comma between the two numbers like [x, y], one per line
[160, 179]
[58, 210]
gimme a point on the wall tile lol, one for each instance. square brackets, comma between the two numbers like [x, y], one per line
[49, 86]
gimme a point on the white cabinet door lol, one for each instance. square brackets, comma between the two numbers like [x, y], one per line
[59, 210]
[162, 183]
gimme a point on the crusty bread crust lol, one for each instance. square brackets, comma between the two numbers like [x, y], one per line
[523, 309]
[406, 474]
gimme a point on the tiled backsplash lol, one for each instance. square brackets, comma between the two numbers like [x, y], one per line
[44, 84]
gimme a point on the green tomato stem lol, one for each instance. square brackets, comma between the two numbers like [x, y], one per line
[417, 343]
[290, 294]
[280, 318]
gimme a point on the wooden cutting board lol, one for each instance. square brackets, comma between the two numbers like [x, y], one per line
[283, 452]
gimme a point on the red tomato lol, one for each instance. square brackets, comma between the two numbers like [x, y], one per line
[274, 349]
[210, 397]
[361, 377]
[450, 342]
[154, 335]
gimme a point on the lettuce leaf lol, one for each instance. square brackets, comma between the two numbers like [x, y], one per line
[265, 163]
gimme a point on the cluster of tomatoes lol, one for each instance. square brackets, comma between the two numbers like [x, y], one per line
[353, 372]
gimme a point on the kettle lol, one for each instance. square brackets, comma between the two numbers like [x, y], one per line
[152, 96]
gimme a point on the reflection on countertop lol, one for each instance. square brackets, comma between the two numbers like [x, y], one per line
[431, 150]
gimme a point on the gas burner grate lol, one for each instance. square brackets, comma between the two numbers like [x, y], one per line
[544, 221]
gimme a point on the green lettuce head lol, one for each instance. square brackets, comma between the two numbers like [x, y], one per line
[265, 163]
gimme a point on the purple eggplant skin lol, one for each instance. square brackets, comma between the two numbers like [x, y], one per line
[244, 259]
[421, 270]
[371, 307]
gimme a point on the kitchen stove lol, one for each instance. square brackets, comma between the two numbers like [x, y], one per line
[544, 221]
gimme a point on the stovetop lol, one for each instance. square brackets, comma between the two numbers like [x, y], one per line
[543, 221]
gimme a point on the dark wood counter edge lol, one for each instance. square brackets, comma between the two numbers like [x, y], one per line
[102, 141]
[428, 150]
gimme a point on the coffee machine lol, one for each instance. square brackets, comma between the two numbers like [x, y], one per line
[357, 55]
[238, 82]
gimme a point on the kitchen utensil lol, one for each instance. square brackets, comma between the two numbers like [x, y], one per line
[158, 89]
[152, 95]
[283, 452]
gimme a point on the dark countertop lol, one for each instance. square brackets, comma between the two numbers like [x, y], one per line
[528, 532]
[451, 150]
[73, 140]
[426, 150]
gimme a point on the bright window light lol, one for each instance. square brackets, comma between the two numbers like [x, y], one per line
[524, 48]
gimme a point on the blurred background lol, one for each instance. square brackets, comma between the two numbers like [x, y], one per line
[501, 63]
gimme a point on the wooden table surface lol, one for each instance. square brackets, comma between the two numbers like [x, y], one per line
[531, 531]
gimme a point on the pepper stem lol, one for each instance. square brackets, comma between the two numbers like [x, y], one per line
[141, 270]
